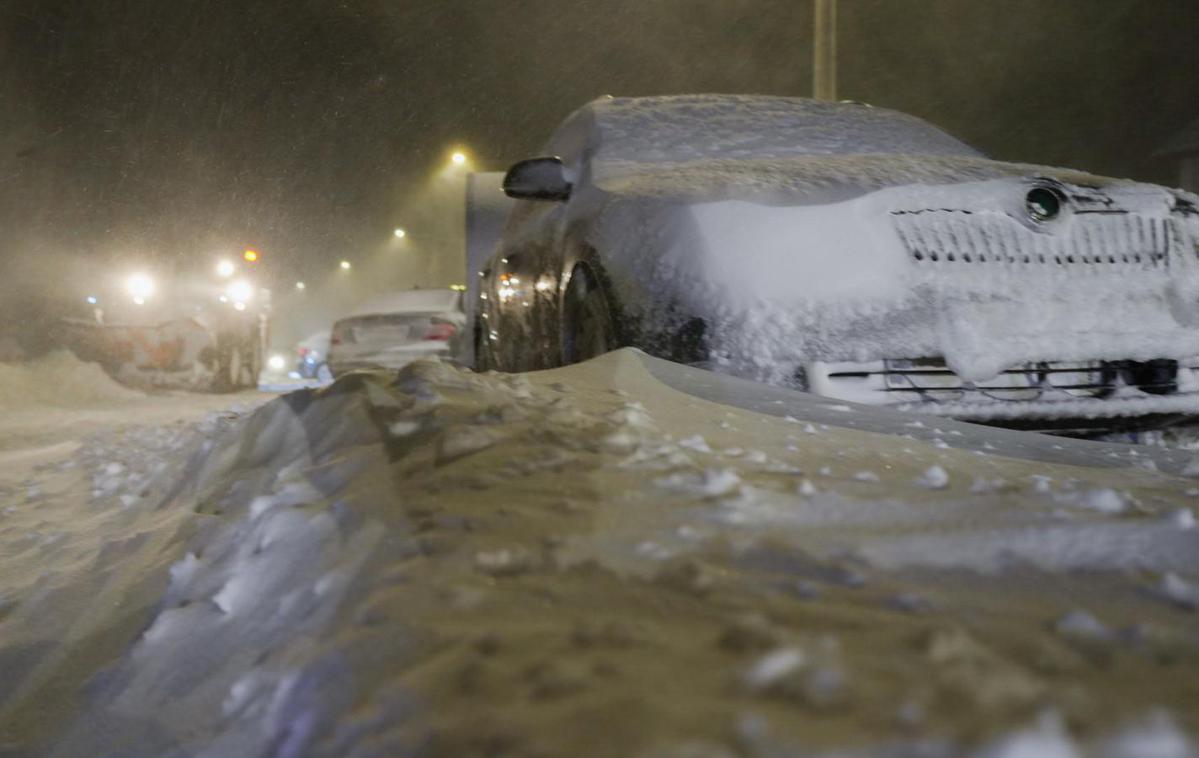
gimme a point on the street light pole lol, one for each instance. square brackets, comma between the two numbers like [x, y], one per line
[824, 50]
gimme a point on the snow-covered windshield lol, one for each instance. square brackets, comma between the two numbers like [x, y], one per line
[693, 127]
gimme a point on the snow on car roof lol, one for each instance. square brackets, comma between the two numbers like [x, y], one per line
[688, 127]
[411, 301]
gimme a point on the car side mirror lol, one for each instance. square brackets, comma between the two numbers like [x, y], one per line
[538, 179]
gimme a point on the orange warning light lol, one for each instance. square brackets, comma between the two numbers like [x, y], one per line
[251, 255]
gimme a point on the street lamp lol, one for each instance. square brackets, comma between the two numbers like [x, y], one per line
[345, 265]
[300, 285]
[824, 50]
[458, 158]
[400, 233]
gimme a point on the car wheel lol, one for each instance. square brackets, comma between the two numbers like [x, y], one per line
[589, 330]
[323, 373]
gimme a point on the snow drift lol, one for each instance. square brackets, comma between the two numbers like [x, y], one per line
[59, 379]
[624, 557]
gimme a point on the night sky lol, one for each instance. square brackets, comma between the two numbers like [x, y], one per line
[167, 129]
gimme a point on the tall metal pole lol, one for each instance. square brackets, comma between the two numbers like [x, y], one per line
[824, 51]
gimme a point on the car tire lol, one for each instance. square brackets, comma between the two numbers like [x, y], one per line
[588, 325]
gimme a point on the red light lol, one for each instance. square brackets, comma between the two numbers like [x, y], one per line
[441, 330]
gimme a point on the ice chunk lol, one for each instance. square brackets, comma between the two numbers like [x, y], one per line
[1192, 468]
[1048, 739]
[695, 442]
[1156, 736]
[402, 428]
[1080, 624]
[1104, 500]
[504, 561]
[1181, 518]
[707, 483]
[1042, 485]
[774, 667]
[934, 478]
[633, 415]
[460, 441]
[1178, 591]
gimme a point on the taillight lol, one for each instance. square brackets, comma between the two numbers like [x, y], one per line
[441, 330]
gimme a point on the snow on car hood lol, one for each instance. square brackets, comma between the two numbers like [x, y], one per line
[823, 258]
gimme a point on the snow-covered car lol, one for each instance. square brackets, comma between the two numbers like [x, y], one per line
[858, 252]
[312, 356]
[395, 329]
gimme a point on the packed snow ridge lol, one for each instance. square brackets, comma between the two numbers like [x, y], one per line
[437, 562]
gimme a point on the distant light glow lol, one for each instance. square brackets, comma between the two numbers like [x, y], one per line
[251, 255]
[91, 299]
[240, 291]
[300, 285]
[400, 234]
[543, 284]
[223, 298]
[239, 306]
[345, 265]
[276, 363]
[140, 287]
[458, 158]
[458, 287]
[225, 268]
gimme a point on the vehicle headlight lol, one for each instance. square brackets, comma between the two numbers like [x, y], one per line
[240, 291]
[1043, 203]
[140, 286]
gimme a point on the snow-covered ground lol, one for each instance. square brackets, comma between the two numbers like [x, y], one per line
[624, 557]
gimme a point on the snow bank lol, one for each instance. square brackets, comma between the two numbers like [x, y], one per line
[59, 379]
[594, 560]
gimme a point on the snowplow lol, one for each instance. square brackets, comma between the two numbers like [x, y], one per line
[193, 333]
